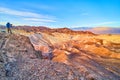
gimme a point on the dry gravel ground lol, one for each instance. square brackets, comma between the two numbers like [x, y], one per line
[18, 61]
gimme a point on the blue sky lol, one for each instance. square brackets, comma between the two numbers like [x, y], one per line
[61, 13]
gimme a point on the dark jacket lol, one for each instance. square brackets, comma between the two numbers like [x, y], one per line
[8, 25]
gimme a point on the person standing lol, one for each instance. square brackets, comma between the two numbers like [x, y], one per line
[8, 25]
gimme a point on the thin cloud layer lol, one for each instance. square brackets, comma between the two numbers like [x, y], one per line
[37, 20]
[28, 16]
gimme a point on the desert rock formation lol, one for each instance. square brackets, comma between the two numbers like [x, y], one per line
[20, 61]
[93, 57]
[56, 54]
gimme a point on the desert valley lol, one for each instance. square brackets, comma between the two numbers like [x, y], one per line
[41, 53]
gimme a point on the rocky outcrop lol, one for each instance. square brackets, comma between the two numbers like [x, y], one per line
[13, 49]
[91, 56]
[20, 61]
[40, 44]
[85, 56]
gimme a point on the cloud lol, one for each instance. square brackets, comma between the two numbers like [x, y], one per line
[38, 6]
[18, 13]
[39, 20]
[26, 15]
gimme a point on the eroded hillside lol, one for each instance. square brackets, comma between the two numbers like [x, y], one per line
[20, 61]
[94, 57]
[73, 55]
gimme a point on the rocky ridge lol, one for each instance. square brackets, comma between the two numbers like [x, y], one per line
[20, 61]
[95, 58]
[85, 57]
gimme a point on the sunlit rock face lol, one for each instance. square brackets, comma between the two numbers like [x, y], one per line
[40, 44]
[70, 43]
[93, 57]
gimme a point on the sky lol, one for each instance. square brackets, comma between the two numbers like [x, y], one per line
[61, 13]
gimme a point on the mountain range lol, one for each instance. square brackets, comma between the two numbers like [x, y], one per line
[100, 30]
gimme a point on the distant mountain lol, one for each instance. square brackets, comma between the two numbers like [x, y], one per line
[105, 30]
[100, 30]
[81, 28]
[2, 27]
